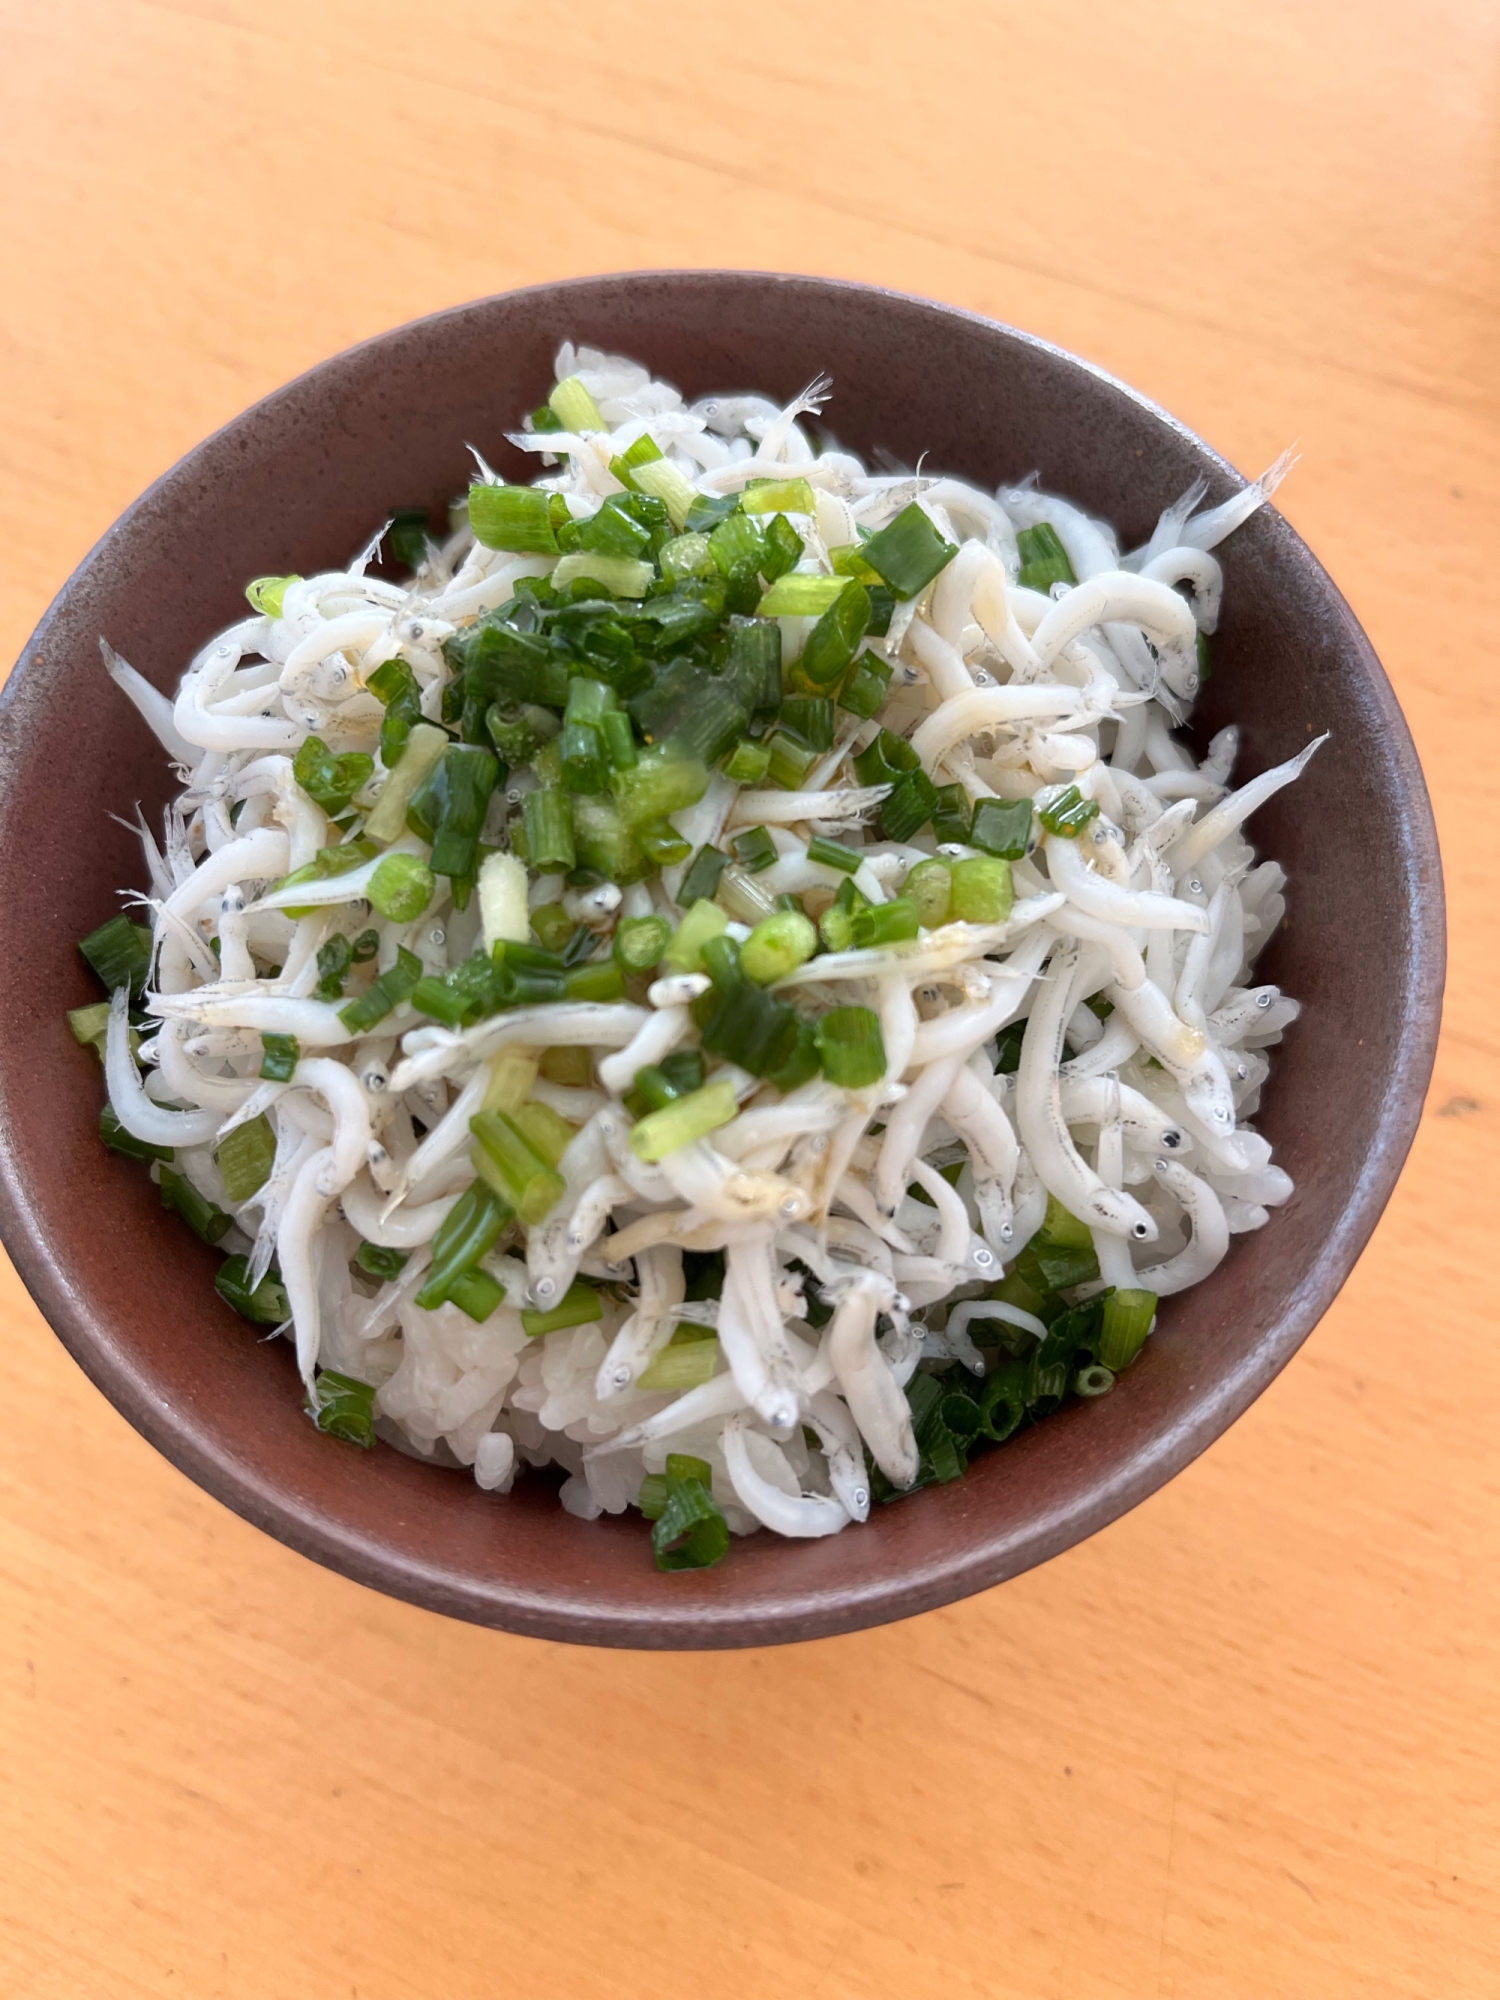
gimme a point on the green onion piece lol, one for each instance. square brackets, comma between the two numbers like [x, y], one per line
[836, 925]
[662, 845]
[471, 775]
[120, 954]
[661, 478]
[655, 1089]
[702, 877]
[778, 496]
[330, 781]
[804, 1062]
[690, 1532]
[930, 887]
[742, 898]
[640, 942]
[365, 947]
[1093, 1381]
[344, 1407]
[118, 1140]
[246, 1157]
[790, 760]
[267, 1305]
[783, 548]
[809, 716]
[532, 1187]
[614, 531]
[1068, 812]
[685, 556]
[621, 576]
[471, 1228]
[754, 850]
[334, 959]
[607, 847]
[710, 509]
[391, 990]
[476, 1293]
[803, 596]
[1002, 827]
[747, 1026]
[268, 593]
[600, 982]
[737, 540]
[849, 561]
[408, 536]
[402, 887]
[281, 1055]
[574, 408]
[619, 740]
[548, 820]
[643, 452]
[832, 641]
[89, 1023]
[754, 663]
[472, 990]
[515, 518]
[585, 767]
[380, 1261]
[834, 854]
[652, 1498]
[777, 946]
[704, 920]
[909, 552]
[1044, 560]
[864, 692]
[204, 1217]
[545, 418]
[681, 1122]
[879, 924]
[712, 725]
[1064, 1229]
[748, 763]
[954, 815]
[662, 783]
[684, 1364]
[982, 890]
[1128, 1317]
[885, 759]
[545, 1131]
[579, 1305]
[909, 806]
[424, 749]
[852, 1047]
[552, 925]
[397, 689]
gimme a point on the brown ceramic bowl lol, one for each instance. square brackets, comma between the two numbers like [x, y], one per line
[295, 484]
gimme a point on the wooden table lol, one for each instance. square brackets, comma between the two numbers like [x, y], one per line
[1243, 1744]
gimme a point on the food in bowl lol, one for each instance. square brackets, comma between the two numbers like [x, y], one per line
[723, 980]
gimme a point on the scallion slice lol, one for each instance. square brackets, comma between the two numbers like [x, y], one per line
[266, 1305]
[548, 820]
[702, 877]
[803, 596]
[204, 1217]
[703, 921]
[379, 1260]
[574, 408]
[118, 1140]
[1044, 560]
[532, 1187]
[754, 849]
[1002, 827]
[579, 1305]
[777, 946]
[246, 1156]
[930, 887]
[515, 518]
[402, 887]
[833, 854]
[1129, 1316]
[748, 762]
[686, 1363]
[120, 954]
[344, 1407]
[690, 1532]
[982, 890]
[778, 496]
[268, 593]
[909, 551]
[640, 942]
[1067, 812]
[881, 924]
[852, 1047]
[392, 989]
[660, 477]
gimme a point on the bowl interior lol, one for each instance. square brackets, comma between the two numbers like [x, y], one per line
[297, 483]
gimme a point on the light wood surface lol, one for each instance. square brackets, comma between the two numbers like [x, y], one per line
[1242, 1744]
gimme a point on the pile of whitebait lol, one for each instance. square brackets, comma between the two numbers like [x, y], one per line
[723, 981]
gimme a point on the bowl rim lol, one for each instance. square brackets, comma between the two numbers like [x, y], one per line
[189, 1442]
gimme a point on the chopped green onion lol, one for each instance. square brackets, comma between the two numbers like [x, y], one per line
[204, 1217]
[662, 783]
[852, 1047]
[330, 781]
[476, 1293]
[585, 767]
[408, 536]
[552, 925]
[930, 887]
[600, 982]
[864, 692]
[621, 576]
[1044, 560]
[754, 849]
[954, 815]
[790, 760]
[803, 596]
[754, 663]
[848, 561]
[777, 946]
[120, 954]
[640, 942]
[690, 1532]
[909, 806]
[685, 556]
[681, 1122]
[804, 1062]
[619, 740]
[365, 947]
[704, 920]
[884, 759]
[644, 451]
[548, 820]
[783, 548]
[654, 1089]
[1128, 1318]
[836, 925]
[281, 1055]
[833, 854]
[392, 989]
[810, 717]
[402, 887]
[335, 956]
[344, 1407]
[832, 641]
[702, 877]
[515, 518]
[574, 408]
[545, 1131]
[532, 1187]
[908, 552]
[471, 1228]
[267, 594]
[397, 689]
[1002, 827]
[266, 1305]
[424, 749]
[778, 496]
[1093, 1381]
[735, 541]
[379, 1260]
[545, 418]
[1068, 812]
[982, 890]
[683, 1364]
[710, 509]
[661, 478]
[745, 1025]
[470, 774]
[118, 1140]
[606, 845]
[579, 1306]
[880, 924]
[748, 763]
[712, 725]
[246, 1156]
[89, 1023]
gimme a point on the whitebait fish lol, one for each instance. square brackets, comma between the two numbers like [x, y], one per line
[722, 981]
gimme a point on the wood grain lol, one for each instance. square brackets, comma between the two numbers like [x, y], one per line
[1240, 1744]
